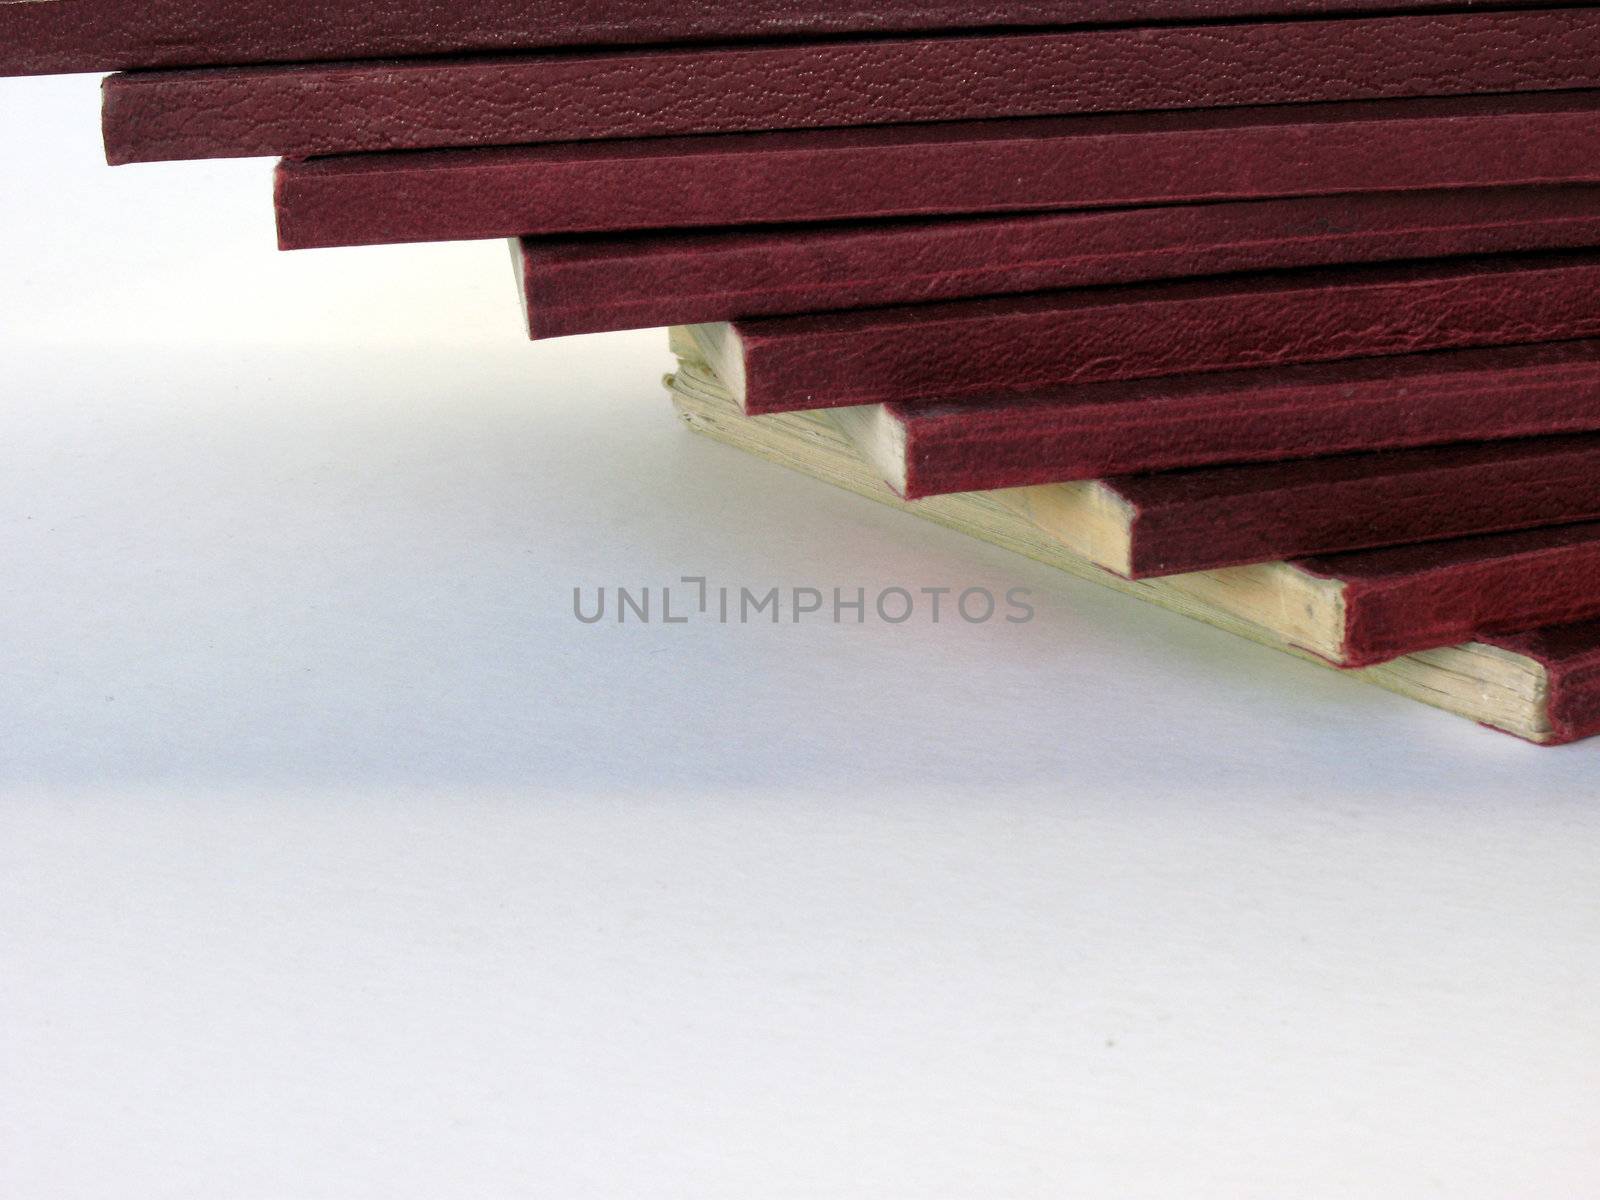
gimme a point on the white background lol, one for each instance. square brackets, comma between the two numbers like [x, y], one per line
[338, 860]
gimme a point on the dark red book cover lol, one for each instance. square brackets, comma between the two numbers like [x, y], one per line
[981, 349]
[1214, 517]
[40, 37]
[1110, 429]
[947, 169]
[352, 107]
[1408, 598]
[640, 281]
[1570, 656]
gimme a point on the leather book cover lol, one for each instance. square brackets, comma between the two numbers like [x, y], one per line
[1258, 416]
[1042, 163]
[354, 107]
[642, 281]
[988, 349]
[43, 37]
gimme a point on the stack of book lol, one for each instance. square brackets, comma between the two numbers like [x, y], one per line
[1281, 313]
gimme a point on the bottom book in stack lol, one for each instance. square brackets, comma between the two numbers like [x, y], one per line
[1541, 685]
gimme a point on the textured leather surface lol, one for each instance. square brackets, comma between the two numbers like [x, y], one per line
[1224, 516]
[948, 169]
[1570, 655]
[47, 36]
[640, 281]
[1111, 429]
[979, 348]
[306, 110]
[1409, 598]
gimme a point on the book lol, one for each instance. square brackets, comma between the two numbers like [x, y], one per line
[949, 169]
[353, 107]
[594, 284]
[1145, 526]
[984, 350]
[40, 37]
[1531, 685]
[1174, 522]
[1091, 431]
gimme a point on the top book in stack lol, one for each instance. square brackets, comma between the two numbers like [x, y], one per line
[52, 36]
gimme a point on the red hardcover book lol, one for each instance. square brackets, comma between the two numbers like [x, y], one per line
[49, 36]
[1108, 429]
[1569, 656]
[639, 281]
[1142, 526]
[313, 109]
[949, 169]
[1370, 606]
[983, 349]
